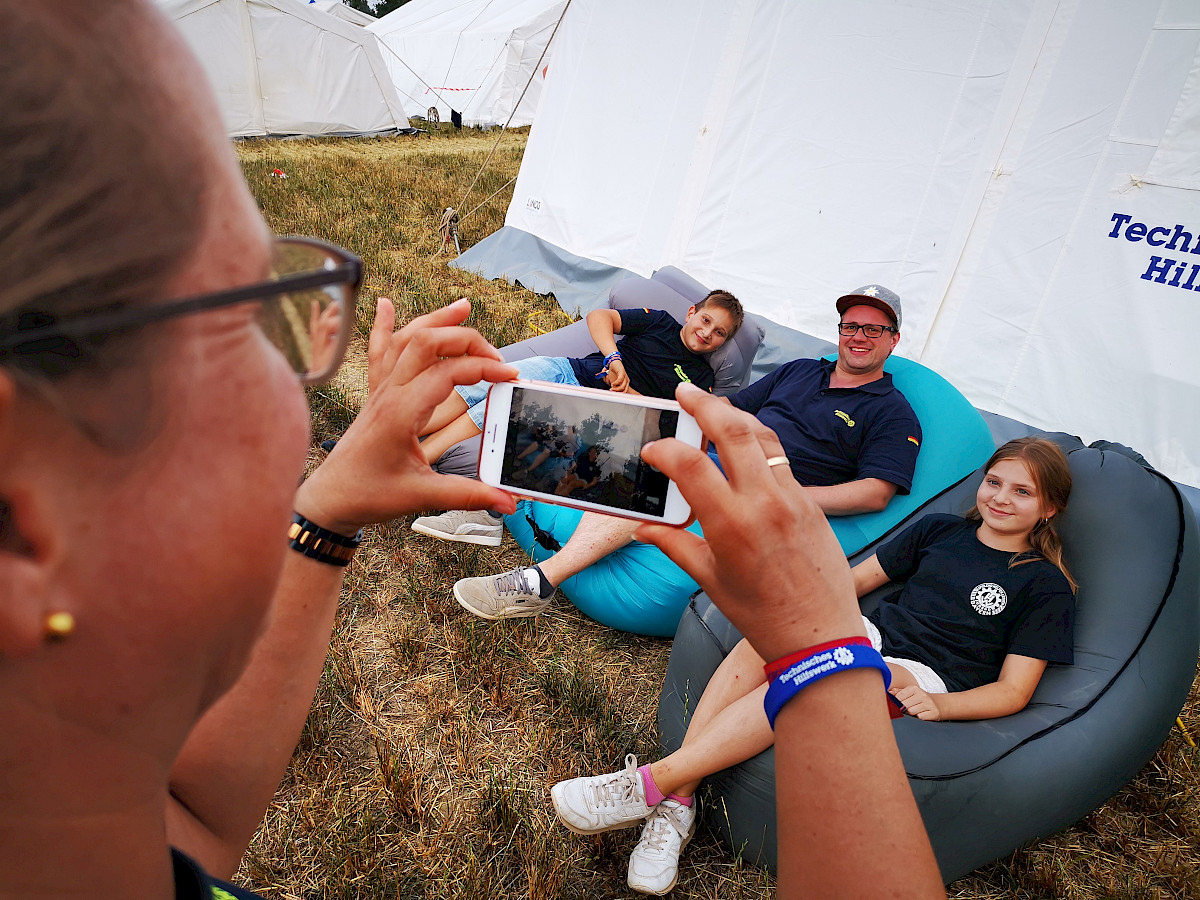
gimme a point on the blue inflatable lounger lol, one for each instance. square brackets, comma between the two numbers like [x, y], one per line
[637, 588]
[985, 788]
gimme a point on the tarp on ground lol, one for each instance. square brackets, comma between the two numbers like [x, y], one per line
[1023, 172]
[477, 57]
[282, 67]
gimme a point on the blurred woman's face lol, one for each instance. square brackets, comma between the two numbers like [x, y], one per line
[188, 530]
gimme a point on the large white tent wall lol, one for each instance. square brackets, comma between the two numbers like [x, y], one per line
[281, 67]
[1023, 172]
[478, 57]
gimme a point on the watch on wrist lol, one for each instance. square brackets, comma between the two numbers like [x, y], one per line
[320, 543]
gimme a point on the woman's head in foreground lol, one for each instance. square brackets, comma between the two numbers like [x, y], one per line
[145, 475]
[1026, 485]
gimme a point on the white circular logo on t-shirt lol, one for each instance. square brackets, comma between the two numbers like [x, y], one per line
[988, 599]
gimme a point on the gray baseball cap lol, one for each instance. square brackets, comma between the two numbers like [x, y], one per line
[875, 295]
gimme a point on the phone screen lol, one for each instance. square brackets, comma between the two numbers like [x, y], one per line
[586, 449]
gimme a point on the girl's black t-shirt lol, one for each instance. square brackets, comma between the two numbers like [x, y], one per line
[963, 607]
[193, 883]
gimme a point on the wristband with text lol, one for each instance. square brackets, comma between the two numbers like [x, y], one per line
[824, 659]
[773, 669]
[320, 543]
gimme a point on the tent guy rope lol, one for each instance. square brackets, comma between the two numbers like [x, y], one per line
[537, 67]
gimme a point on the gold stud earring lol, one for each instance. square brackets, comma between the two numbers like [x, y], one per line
[59, 625]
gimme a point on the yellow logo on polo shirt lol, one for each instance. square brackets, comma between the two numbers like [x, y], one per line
[845, 418]
[682, 374]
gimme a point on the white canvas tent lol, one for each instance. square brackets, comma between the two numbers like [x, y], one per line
[281, 67]
[473, 56]
[1025, 173]
[340, 10]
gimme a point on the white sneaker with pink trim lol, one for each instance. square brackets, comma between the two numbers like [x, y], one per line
[598, 803]
[654, 863]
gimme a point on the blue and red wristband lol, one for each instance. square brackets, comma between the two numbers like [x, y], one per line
[791, 674]
[775, 669]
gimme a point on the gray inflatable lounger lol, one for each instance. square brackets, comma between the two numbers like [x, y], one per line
[985, 788]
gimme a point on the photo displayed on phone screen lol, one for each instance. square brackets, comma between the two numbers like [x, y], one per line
[561, 444]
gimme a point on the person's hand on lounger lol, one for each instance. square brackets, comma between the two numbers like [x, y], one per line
[617, 378]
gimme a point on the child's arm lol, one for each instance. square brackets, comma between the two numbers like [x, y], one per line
[604, 325]
[868, 575]
[1018, 677]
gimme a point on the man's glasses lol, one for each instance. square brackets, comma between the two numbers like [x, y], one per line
[307, 311]
[849, 329]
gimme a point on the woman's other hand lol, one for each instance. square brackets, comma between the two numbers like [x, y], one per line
[377, 471]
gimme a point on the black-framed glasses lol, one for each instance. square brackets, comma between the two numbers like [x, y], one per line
[307, 310]
[849, 329]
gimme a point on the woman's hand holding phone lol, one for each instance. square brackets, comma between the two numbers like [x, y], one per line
[848, 821]
[768, 557]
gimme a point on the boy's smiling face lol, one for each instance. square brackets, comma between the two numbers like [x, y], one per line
[706, 329]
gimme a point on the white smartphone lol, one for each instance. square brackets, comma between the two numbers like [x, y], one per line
[582, 447]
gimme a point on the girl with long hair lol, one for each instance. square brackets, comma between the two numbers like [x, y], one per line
[986, 603]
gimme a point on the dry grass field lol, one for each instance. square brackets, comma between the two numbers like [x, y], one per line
[424, 768]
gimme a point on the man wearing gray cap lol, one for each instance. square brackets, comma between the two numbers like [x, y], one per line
[850, 437]
[849, 434]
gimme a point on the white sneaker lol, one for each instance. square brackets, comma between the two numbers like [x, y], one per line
[654, 863]
[470, 526]
[602, 802]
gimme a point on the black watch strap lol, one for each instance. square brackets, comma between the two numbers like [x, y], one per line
[320, 543]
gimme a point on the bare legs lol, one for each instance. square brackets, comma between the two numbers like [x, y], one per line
[595, 537]
[728, 726]
[901, 677]
[447, 425]
[445, 413]
[442, 440]
[537, 461]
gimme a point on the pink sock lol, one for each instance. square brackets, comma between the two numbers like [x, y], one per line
[682, 801]
[653, 795]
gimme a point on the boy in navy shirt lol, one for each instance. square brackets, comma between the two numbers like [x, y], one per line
[655, 356]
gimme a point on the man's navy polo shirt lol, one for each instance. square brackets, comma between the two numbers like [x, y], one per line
[835, 435]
